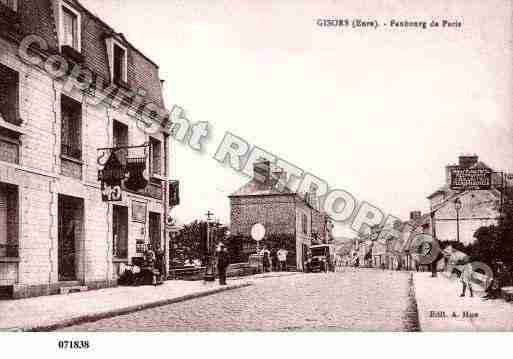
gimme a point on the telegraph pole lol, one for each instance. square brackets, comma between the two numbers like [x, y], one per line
[209, 270]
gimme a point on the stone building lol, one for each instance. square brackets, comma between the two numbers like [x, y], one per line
[58, 226]
[478, 207]
[290, 219]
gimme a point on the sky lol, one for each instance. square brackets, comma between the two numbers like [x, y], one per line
[376, 112]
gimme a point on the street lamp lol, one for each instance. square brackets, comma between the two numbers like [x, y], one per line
[209, 270]
[457, 207]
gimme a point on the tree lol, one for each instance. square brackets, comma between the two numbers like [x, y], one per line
[190, 243]
[494, 243]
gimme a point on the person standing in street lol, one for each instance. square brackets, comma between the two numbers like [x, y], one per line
[266, 258]
[223, 260]
[466, 279]
[274, 260]
[282, 258]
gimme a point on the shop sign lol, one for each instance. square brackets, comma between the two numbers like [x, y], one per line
[174, 193]
[110, 177]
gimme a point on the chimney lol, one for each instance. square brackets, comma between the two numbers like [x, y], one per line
[467, 161]
[162, 88]
[415, 215]
[279, 178]
[313, 196]
[448, 170]
[262, 172]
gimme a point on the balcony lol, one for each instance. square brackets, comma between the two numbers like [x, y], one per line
[153, 189]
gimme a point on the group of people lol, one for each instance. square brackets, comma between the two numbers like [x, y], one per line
[146, 270]
[275, 260]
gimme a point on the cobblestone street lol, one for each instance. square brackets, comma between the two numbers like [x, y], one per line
[354, 300]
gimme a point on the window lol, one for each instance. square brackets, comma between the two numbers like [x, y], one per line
[304, 223]
[120, 134]
[120, 139]
[119, 64]
[70, 28]
[71, 128]
[156, 156]
[11, 4]
[117, 55]
[8, 220]
[9, 95]
[120, 232]
[9, 146]
[154, 229]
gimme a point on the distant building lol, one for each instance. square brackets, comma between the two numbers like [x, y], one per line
[291, 220]
[478, 207]
[406, 250]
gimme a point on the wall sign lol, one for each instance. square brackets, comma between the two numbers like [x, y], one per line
[471, 178]
[139, 211]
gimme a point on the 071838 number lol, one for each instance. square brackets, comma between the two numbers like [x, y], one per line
[73, 344]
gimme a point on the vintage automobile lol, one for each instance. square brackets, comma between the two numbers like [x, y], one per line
[321, 258]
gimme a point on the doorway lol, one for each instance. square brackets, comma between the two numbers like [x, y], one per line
[71, 218]
[155, 231]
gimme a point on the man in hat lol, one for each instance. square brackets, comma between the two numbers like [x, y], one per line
[223, 260]
[466, 278]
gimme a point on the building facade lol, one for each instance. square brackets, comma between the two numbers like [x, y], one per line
[60, 225]
[290, 220]
[456, 215]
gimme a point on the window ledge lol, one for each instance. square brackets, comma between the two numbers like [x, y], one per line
[11, 126]
[9, 259]
[72, 159]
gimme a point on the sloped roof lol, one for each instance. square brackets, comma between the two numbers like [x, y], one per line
[444, 189]
[37, 17]
[257, 188]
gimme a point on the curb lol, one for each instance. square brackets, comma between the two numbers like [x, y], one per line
[135, 308]
[277, 275]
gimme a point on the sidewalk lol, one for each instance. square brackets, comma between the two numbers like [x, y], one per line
[56, 311]
[443, 295]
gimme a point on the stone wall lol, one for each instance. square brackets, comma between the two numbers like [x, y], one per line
[275, 212]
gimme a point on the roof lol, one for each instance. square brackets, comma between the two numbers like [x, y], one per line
[257, 188]
[37, 17]
[444, 189]
[97, 18]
